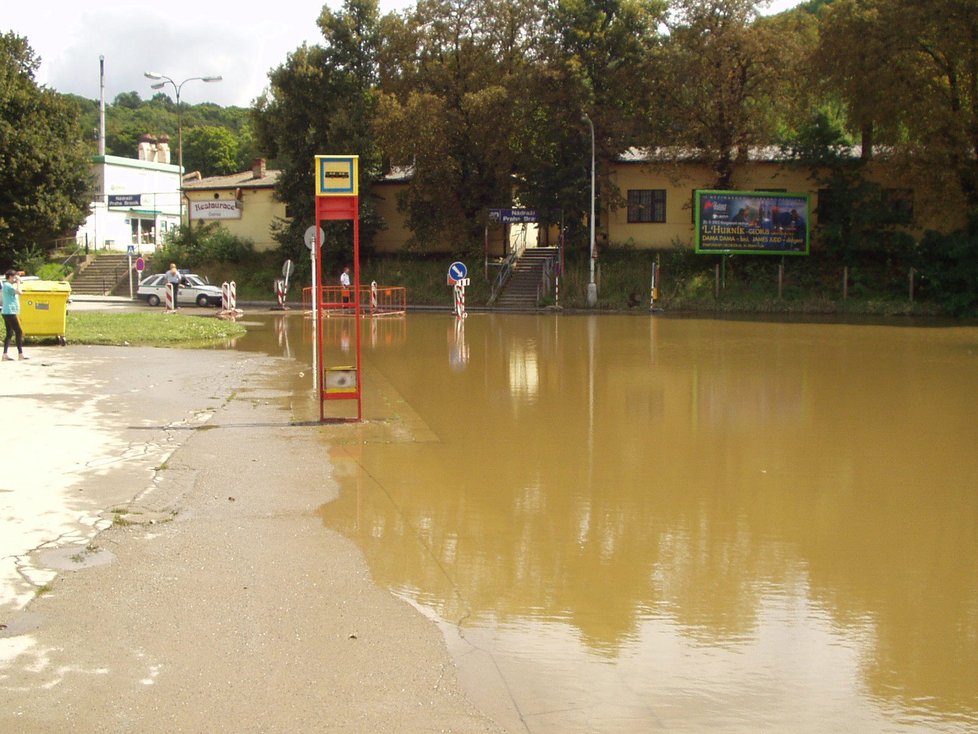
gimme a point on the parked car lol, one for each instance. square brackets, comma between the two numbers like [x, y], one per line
[193, 288]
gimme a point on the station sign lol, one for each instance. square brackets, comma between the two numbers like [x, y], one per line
[125, 200]
[514, 216]
[337, 175]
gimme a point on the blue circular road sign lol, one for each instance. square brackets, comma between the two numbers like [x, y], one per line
[457, 271]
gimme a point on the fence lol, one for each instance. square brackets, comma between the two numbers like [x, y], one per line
[376, 300]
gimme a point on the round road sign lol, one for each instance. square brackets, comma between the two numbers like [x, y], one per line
[310, 237]
[457, 271]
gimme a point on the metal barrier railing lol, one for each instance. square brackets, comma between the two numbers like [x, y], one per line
[375, 300]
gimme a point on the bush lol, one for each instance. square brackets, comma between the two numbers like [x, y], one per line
[948, 264]
[51, 271]
[190, 247]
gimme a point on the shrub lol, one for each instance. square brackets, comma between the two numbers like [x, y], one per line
[948, 264]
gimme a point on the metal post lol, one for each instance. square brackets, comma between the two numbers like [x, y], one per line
[592, 287]
[176, 89]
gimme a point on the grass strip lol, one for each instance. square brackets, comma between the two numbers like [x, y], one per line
[147, 329]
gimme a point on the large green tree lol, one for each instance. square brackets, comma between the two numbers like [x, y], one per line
[211, 150]
[320, 102]
[448, 111]
[908, 73]
[719, 80]
[44, 168]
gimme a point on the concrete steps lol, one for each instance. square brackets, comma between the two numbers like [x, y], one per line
[520, 291]
[102, 276]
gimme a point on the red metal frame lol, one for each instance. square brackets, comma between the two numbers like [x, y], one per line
[339, 208]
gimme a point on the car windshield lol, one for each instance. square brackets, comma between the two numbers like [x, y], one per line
[194, 280]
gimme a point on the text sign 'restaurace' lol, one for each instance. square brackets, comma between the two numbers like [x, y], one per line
[337, 175]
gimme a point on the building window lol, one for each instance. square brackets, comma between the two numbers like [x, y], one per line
[646, 205]
[899, 205]
[827, 210]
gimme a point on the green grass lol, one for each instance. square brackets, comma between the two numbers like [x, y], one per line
[147, 329]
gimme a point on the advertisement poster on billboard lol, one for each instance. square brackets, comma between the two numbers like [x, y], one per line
[752, 223]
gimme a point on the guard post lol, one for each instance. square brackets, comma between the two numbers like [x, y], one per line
[337, 199]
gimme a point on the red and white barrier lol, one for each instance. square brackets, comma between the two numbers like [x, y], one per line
[169, 298]
[373, 297]
[460, 297]
[280, 290]
[229, 300]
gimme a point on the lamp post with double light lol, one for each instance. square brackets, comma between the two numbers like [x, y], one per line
[177, 86]
[592, 287]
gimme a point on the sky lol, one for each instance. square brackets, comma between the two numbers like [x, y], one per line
[240, 41]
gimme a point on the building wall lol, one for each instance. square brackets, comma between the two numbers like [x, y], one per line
[259, 212]
[395, 236]
[157, 187]
[679, 181]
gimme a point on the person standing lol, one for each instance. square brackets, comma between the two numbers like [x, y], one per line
[173, 278]
[11, 314]
[345, 284]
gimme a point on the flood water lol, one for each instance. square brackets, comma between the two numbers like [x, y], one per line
[635, 523]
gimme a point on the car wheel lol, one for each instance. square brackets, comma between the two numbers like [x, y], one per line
[153, 300]
[202, 301]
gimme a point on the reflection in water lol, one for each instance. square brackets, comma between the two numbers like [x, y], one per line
[681, 525]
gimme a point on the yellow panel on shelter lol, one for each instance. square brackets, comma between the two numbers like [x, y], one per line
[337, 175]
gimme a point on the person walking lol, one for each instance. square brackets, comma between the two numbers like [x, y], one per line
[173, 278]
[11, 317]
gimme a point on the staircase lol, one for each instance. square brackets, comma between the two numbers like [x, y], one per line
[102, 276]
[520, 291]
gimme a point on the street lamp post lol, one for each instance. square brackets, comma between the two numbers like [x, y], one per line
[592, 287]
[177, 86]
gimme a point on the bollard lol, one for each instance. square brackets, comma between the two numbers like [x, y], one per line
[460, 297]
[169, 298]
[373, 296]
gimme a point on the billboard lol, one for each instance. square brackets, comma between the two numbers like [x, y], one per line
[751, 222]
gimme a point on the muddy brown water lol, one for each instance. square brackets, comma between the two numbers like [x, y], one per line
[658, 524]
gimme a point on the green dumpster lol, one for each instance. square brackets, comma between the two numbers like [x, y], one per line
[44, 308]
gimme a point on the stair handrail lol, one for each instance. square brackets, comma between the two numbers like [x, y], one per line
[546, 277]
[503, 275]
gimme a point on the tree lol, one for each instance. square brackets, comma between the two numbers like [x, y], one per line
[910, 70]
[597, 58]
[719, 74]
[321, 102]
[44, 166]
[211, 150]
[450, 108]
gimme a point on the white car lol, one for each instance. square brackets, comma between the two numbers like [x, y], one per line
[193, 288]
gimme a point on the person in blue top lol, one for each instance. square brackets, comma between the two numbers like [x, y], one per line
[11, 309]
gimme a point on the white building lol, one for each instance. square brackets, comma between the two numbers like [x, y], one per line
[135, 201]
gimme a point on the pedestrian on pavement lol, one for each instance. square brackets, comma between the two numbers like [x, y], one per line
[173, 278]
[11, 311]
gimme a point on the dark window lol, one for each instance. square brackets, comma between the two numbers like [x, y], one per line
[899, 205]
[826, 209]
[646, 205]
